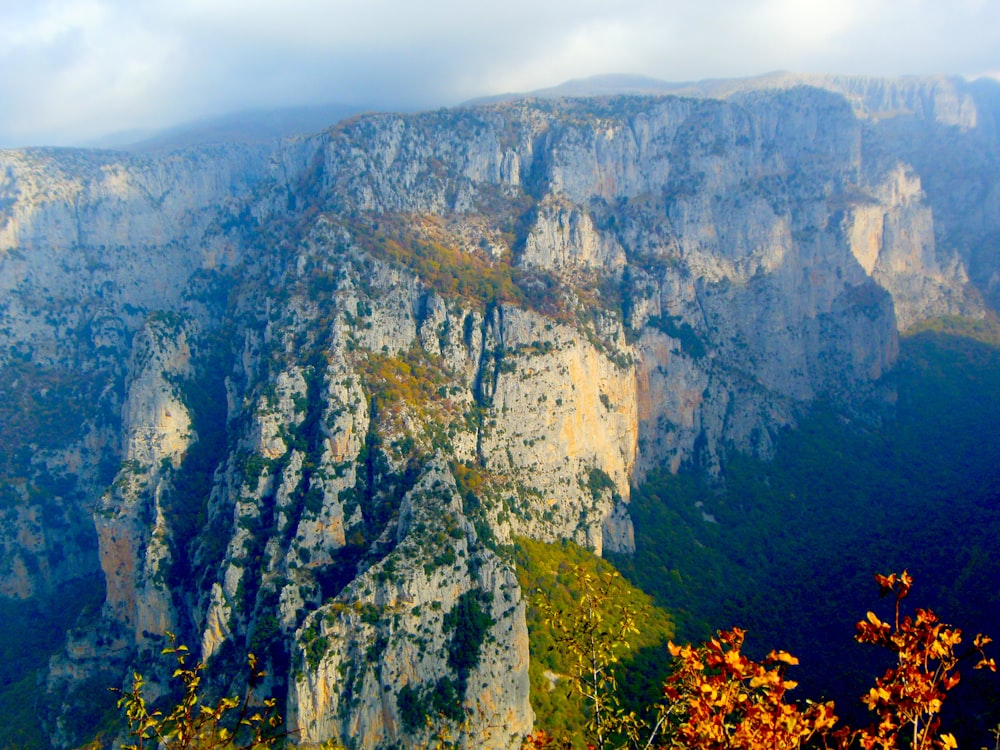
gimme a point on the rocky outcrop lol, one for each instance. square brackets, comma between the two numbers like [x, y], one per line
[564, 237]
[892, 236]
[79, 229]
[132, 530]
[559, 409]
[371, 660]
[90, 243]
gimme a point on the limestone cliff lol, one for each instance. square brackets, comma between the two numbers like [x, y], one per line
[316, 391]
[90, 243]
[372, 665]
[132, 529]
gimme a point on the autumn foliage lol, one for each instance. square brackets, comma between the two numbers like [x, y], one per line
[907, 699]
[726, 700]
[717, 698]
[230, 723]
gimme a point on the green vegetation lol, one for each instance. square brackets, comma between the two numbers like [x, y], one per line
[412, 388]
[33, 631]
[598, 482]
[427, 246]
[480, 491]
[691, 343]
[718, 698]
[42, 408]
[548, 574]
[468, 623]
[307, 438]
[20, 726]
[841, 498]
[714, 698]
[439, 703]
[421, 244]
[427, 705]
[186, 501]
[316, 645]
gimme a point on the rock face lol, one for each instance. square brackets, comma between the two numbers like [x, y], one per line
[317, 391]
[374, 653]
[132, 528]
[91, 243]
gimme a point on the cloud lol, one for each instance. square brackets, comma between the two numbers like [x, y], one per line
[75, 69]
[66, 65]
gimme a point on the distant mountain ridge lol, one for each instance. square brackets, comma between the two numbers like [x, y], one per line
[267, 125]
[946, 99]
[251, 127]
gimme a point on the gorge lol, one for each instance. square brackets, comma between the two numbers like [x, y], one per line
[299, 398]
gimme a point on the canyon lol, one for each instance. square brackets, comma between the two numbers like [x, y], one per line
[299, 398]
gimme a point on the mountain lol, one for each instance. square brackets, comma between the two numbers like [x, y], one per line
[253, 127]
[298, 398]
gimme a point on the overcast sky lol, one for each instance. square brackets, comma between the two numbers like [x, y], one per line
[73, 70]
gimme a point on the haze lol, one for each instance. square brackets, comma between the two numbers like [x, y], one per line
[72, 71]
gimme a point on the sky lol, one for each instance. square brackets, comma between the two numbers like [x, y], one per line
[72, 71]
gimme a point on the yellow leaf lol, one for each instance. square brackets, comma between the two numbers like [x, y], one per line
[787, 658]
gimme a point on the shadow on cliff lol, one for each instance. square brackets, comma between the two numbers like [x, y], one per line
[791, 546]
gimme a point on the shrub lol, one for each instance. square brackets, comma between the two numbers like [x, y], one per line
[233, 723]
[717, 698]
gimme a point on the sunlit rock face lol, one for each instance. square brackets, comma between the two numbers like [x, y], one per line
[299, 401]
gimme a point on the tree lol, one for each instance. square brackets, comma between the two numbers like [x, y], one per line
[726, 700]
[907, 698]
[193, 724]
[593, 636]
[718, 699]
